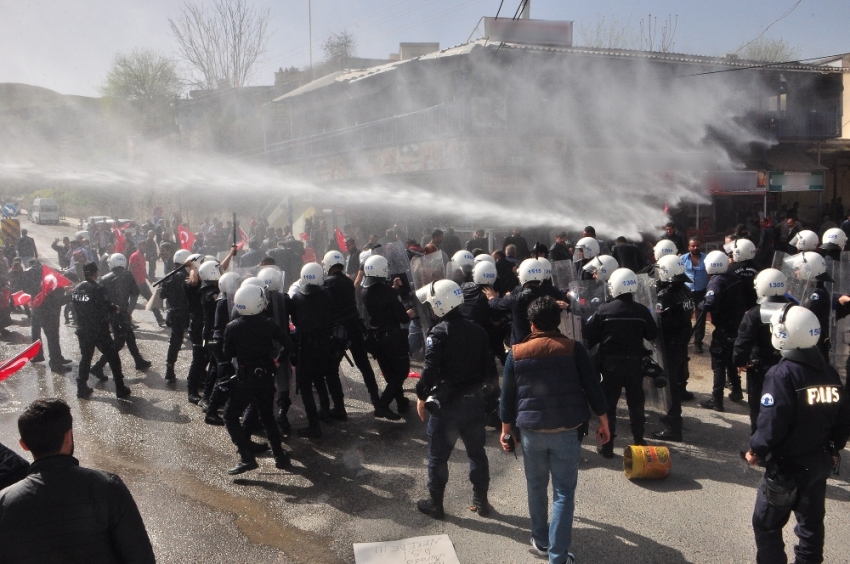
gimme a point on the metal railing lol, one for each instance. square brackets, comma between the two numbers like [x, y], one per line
[802, 124]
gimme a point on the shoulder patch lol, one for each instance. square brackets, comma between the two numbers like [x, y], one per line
[429, 341]
[709, 293]
[767, 400]
[815, 296]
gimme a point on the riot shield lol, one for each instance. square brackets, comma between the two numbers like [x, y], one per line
[455, 272]
[397, 261]
[563, 272]
[798, 286]
[657, 398]
[424, 270]
[839, 329]
[585, 297]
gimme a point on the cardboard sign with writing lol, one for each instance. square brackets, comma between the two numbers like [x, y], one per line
[434, 549]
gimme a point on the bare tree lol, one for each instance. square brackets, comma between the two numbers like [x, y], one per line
[769, 50]
[649, 32]
[340, 44]
[221, 43]
[142, 75]
[607, 35]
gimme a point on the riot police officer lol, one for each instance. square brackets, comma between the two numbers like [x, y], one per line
[586, 248]
[215, 396]
[675, 308]
[476, 307]
[812, 266]
[92, 310]
[725, 301]
[198, 291]
[803, 422]
[123, 291]
[753, 347]
[313, 319]
[249, 339]
[619, 328]
[833, 243]
[387, 337]
[663, 248]
[177, 314]
[346, 315]
[457, 364]
[742, 253]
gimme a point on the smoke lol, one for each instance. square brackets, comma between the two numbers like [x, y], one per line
[546, 139]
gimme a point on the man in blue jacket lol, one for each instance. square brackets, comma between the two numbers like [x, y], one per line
[546, 386]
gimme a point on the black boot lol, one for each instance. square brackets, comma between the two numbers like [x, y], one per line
[170, 376]
[212, 417]
[282, 460]
[97, 372]
[384, 412]
[672, 433]
[338, 412]
[433, 506]
[311, 431]
[121, 391]
[607, 449]
[638, 440]
[247, 462]
[479, 502]
[713, 403]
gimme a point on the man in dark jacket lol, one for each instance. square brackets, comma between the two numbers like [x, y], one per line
[628, 255]
[99, 519]
[559, 249]
[547, 384]
[672, 234]
[479, 241]
[13, 468]
[516, 239]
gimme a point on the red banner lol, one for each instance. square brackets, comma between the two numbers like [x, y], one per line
[120, 240]
[50, 281]
[16, 363]
[186, 238]
[244, 239]
[340, 239]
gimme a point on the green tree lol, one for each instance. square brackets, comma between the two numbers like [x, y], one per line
[142, 75]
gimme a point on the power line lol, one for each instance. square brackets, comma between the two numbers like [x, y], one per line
[777, 20]
[764, 65]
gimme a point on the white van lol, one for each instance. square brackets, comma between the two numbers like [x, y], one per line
[44, 210]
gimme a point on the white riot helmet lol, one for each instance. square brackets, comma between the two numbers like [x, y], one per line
[834, 238]
[209, 257]
[115, 260]
[253, 281]
[463, 259]
[741, 250]
[603, 265]
[547, 268]
[196, 258]
[531, 270]
[805, 240]
[181, 256]
[443, 295]
[669, 267]
[794, 327]
[209, 271]
[270, 275]
[588, 246]
[770, 282]
[249, 300]
[375, 270]
[484, 257]
[811, 265]
[622, 281]
[484, 273]
[331, 259]
[312, 278]
[228, 283]
[664, 247]
[716, 262]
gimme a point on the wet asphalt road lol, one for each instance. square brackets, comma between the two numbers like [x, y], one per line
[360, 482]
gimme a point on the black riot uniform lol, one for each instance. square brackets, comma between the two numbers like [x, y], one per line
[517, 303]
[200, 356]
[220, 391]
[619, 328]
[209, 294]
[123, 291]
[476, 308]
[725, 301]
[345, 314]
[311, 314]
[804, 420]
[278, 310]
[250, 340]
[176, 317]
[819, 302]
[675, 309]
[746, 270]
[753, 348]
[388, 337]
[92, 310]
[457, 364]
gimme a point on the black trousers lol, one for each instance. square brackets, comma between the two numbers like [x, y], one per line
[255, 387]
[200, 360]
[315, 364]
[722, 366]
[620, 372]
[396, 368]
[461, 418]
[122, 328]
[677, 370]
[699, 325]
[755, 382]
[809, 510]
[361, 358]
[103, 343]
[179, 324]
[48, 322]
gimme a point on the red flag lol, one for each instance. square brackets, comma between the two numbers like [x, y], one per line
[17, 362]
[120, 240]
[186, 238]
[20, 298]
[340, 238]
[50, 281]
[244, 239]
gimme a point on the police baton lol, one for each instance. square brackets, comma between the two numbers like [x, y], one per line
[169, 275]
[700, 317]
[234, 229]
[348, 358]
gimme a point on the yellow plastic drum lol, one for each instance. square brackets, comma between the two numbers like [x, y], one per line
[646, 462]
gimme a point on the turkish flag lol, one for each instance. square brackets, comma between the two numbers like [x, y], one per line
[340, 238]
[17, 362]
[20, 298]
[120, 240]
[244, 239]
[186, 238]
[50, 281]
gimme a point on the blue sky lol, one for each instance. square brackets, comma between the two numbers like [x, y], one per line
[67, 46]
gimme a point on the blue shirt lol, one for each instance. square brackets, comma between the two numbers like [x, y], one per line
[696, 273]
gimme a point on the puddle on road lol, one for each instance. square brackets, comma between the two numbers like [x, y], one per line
[252, 519]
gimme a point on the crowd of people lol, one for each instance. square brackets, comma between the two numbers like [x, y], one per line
[279, 316]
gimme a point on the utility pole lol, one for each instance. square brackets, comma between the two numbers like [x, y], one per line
[310, 32]
[526, 11]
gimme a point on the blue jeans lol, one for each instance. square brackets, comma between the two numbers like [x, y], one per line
[557, 454]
